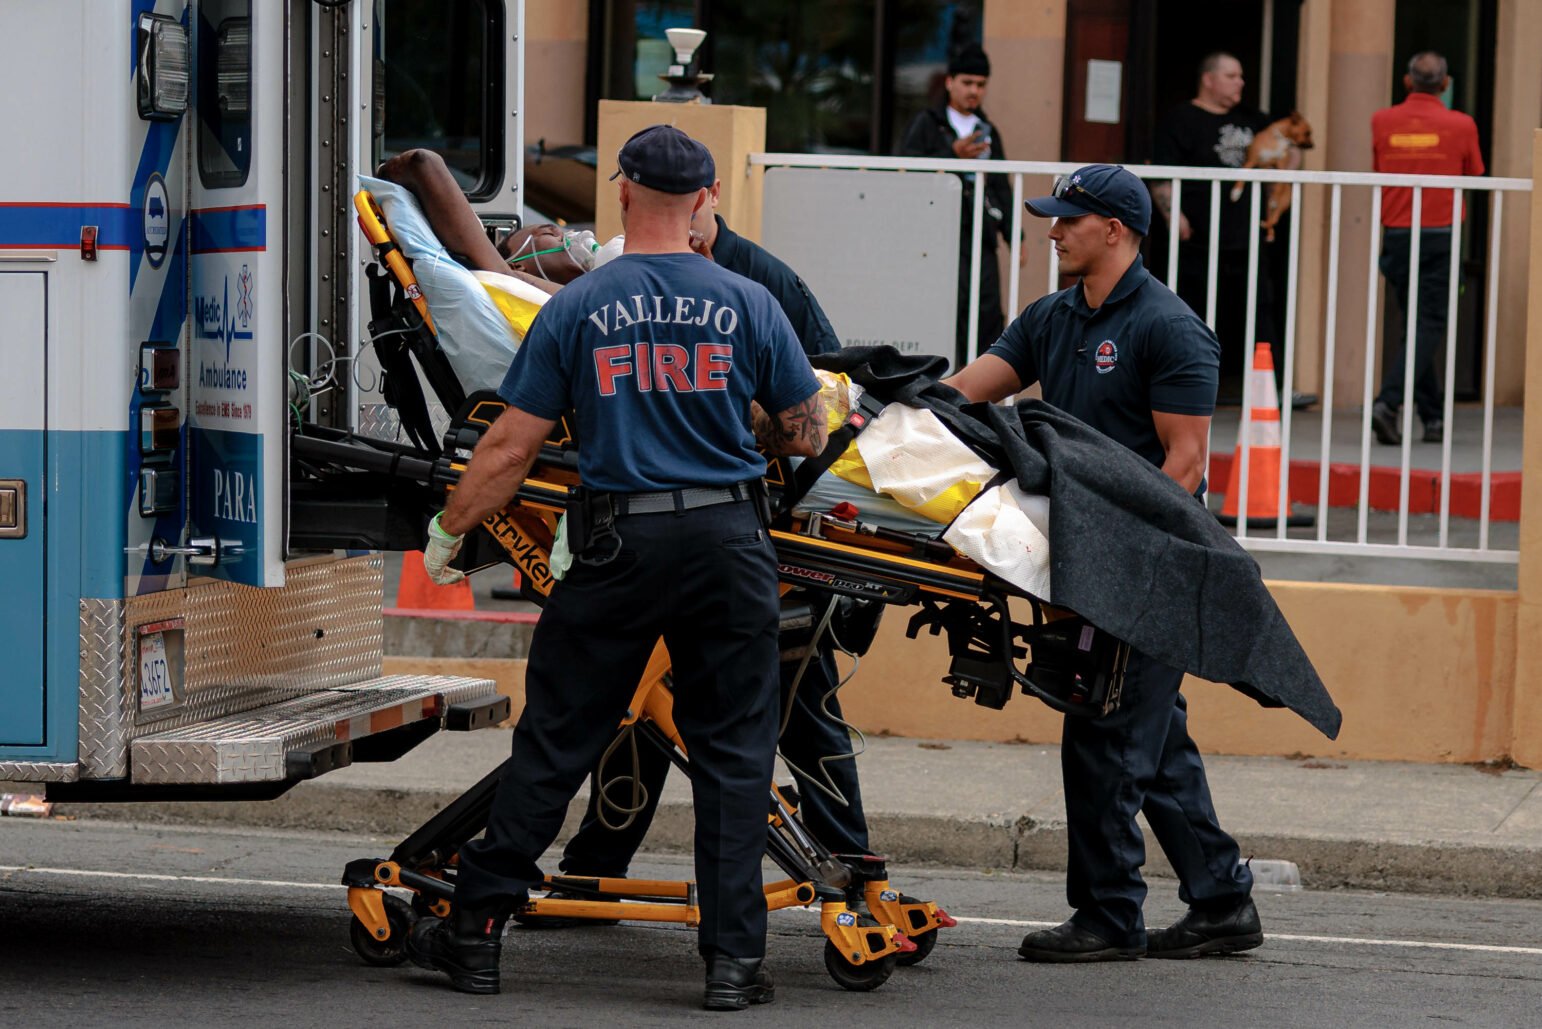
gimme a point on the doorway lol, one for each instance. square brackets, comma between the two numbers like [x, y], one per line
[1158, 46]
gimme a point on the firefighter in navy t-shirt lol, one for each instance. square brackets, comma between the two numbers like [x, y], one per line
[815, 736]
[660, 355]
[1122, 353]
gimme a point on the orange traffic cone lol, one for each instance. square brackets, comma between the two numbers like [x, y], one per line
[417, 592]
[1263, 433]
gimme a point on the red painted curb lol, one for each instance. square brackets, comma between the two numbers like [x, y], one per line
[1385, 484]
[507, 617]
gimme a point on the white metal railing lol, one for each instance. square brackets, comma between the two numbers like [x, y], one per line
[1335, 183]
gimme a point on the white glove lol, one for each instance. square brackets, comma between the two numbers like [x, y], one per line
[440, 551]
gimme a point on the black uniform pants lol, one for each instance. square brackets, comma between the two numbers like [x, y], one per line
[1141, 759]
[811, 734]
[1430, 325]
[704, 580]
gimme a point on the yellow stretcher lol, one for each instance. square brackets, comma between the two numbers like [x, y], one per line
[834, 555]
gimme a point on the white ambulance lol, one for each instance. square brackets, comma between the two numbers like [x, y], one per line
[180, 282]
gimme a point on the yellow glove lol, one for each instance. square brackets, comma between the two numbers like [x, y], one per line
[439, 552]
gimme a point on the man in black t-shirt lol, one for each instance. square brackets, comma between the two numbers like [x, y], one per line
[1213, 131]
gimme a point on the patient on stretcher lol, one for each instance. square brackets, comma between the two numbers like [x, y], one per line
[906, 471]
[1135, 556]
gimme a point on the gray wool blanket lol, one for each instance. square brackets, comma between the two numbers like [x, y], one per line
[1130, 550]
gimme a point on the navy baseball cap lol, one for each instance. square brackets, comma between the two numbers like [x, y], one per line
[662, 157]
[1105, 189]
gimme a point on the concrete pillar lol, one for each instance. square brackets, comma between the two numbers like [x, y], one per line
[1526, 735]
[1359, 68]
[1026, 43]
[1517, 112]
[1312, 100]
[556, 46]
[731, 133]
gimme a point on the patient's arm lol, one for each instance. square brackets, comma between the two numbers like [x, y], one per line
[799, 431]
[449, 212]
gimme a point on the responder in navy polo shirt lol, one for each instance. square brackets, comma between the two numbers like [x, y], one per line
[660, 355]
[1122, 353]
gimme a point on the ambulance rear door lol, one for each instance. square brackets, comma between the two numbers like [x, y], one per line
[237, 367]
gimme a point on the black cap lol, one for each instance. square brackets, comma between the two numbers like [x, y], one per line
[971, 60]
[662, 157]
[1105, 189]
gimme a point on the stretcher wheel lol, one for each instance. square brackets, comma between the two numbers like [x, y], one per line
[924, 944]
[858, 978]
[388, 952]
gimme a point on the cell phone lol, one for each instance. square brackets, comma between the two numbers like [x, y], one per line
[983, 134]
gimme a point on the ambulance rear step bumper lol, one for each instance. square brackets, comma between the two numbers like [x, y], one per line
[303, 737]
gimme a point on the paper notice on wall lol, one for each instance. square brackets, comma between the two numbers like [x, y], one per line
[1103, 81]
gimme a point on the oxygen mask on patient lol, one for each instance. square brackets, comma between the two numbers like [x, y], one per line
[536, 253]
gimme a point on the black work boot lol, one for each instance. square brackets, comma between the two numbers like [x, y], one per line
[464, 946]
[1200, 932]
[1069, 942]
[733, 984]
[1386, 424]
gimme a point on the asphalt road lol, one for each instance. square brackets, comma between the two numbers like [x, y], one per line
[121, 925]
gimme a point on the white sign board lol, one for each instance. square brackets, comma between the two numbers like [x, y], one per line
[1103, 81]
[878, 249]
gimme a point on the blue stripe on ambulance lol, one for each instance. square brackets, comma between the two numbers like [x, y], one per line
[155, 158]
[58, 225]
[140, 7]
[170, 315]
[223, 230]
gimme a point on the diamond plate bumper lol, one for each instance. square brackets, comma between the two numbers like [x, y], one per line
[38, 771]
[255, 746]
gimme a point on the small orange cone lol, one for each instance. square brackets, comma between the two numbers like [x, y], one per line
[1263, 433]
[417, 592]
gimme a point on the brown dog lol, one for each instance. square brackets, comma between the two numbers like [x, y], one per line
[1278, 145]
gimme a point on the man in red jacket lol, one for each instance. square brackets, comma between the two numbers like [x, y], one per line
[1420, 137]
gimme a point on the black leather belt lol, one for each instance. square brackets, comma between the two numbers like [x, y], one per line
[677, 500]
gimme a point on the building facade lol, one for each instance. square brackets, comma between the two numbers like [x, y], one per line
[846, 76]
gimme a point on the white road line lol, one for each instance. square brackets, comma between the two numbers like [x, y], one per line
[1359, 941]
[1356, 941]
[152, 877]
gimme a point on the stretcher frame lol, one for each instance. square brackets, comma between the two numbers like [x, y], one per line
[862, 949]
[821, 552]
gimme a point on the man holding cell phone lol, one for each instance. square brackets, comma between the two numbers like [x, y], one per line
[959, 128]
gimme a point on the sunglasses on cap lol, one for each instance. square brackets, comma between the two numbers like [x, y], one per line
[1064, 188]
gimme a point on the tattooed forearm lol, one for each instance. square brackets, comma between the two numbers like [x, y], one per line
[760, 425]
[799, 431]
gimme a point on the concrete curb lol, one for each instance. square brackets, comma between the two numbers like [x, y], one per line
[911, 839]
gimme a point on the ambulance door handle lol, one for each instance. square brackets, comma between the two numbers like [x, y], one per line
[199, 551]
[13, 509]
